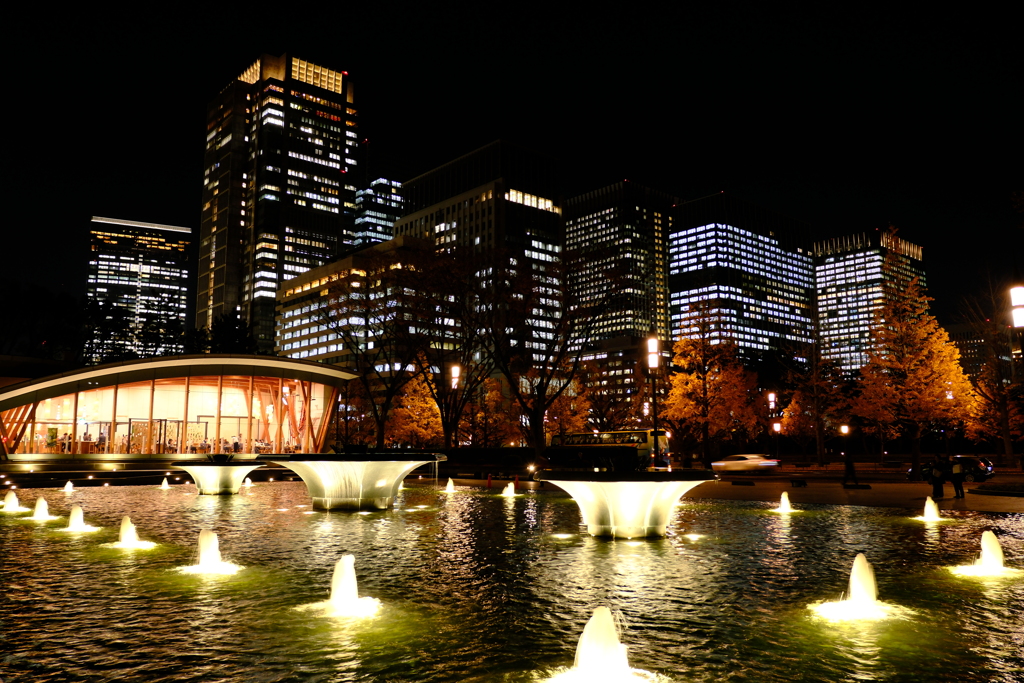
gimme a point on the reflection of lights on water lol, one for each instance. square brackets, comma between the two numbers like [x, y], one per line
[693, 537]
[302, 506]
[282, 509]
[421, 507]
[309, 512]
[633, 544]
[563, 536]
[364, 512]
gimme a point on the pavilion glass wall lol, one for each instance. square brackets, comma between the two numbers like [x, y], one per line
[201, 414]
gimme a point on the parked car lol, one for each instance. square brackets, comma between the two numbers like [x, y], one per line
[744, 463]
[975, 468]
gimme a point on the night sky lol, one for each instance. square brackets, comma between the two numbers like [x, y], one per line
[847, 119]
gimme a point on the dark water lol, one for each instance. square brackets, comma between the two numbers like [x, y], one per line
[478, 588]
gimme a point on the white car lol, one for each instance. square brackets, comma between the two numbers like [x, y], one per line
[744, 463]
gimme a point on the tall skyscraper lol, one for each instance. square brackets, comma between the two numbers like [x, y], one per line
[138, 284]
[621, 230]
[503, 199]
[378, 208]
[743, 265]
[277, 199]
[851, 273]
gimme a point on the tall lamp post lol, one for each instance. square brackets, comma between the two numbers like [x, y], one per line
[453, 403]
[1017, 318]
[653, 363]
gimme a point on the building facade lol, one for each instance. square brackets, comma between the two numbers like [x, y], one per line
[500, 201]
[378, 208]
[277, 199]
[743, 267]
[619, 234]
[137, 288]
[851, 274]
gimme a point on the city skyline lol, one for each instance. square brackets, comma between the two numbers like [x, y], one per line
[897, 122]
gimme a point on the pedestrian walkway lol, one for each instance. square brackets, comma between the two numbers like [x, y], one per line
[909, 495]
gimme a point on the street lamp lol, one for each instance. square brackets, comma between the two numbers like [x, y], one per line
[653, 362]
[456, 371]
[777, 428]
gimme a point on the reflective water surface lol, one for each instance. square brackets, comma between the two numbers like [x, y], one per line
[477, 587]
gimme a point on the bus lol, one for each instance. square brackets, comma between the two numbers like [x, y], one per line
[642, 440]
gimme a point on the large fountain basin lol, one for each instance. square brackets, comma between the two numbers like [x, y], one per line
[218, 478]
[626, 504]
[352, 484]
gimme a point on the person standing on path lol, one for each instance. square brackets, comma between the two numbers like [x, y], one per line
[956, 476]
[849, 471]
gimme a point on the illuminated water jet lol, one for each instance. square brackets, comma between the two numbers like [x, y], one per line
[76, 521]
[784, 506]
[509, 491]
[600, 657]
[69, 488]
[991, 561]
[42, 511]
[450, 487]
[209, 560]
[165, 484]
[11, 503]
[218, 478]
[335, 484]
[248, 483]
[128, 537]
[345, 600]
[931, 511]
[861, 602]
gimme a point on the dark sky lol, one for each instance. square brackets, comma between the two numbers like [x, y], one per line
[847, 119]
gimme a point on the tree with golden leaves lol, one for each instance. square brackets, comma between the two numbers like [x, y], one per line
[913, 379]
[568, 413]
[489, 422]
[415, 420]
[712, 396]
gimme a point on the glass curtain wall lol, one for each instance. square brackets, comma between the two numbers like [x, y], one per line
[204, 414]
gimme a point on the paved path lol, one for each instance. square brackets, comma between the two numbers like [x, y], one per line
[899, 495]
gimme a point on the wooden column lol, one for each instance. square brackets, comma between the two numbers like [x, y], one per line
[216, 417]
[183, 436]
[249, 448]
[148, 447]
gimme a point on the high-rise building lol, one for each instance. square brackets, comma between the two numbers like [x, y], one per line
[277, 199]
[378, 208]
[851, 274]
[742, 266]
[621, 232]
[500, 199]
[138, 283]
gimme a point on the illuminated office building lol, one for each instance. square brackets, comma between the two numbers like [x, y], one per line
[378, 208]
[620, 232]
[277, 200]
[742, 266]
[138, 274]
[501, 199]
[851, 273]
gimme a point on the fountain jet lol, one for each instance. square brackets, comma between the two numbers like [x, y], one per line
[861, 602]
[509, 491]
[69, 488]
[11, 503]
[165, 484]
[600, 657]
[450, 488]
[209, 559]
[784, 507]
[42, 512]
[344, 600]
[76, 520]
[931, 511]
[990, 563]
[128, 537]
